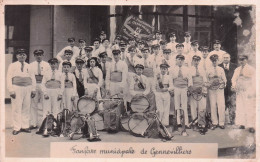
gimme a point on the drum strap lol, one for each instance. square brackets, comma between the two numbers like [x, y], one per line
[92, 76]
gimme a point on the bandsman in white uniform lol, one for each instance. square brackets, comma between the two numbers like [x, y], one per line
[21, 85]
[122, 47]
[106, 48]
[156, 57]
[70, 87]
[243, 83]
[180, 51]
[216, 74]
[172, 44]
[53, 88]
[116, 76]
[94, 78]
[217, 50]
[105, 66]
[181, 81]
[82, 53]
[89, 53]
[68, 58]
[158, 37]
[80, 74]
[167, 58]
[199, 79]
[163, 45]
[38, 68]
[161, 87]
[71, 41]
[96, 45]
[187, 43]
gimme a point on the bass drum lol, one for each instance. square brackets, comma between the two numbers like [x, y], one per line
[138, 124]
[86, 105]
[139, 104]
[76, 124]
[99, 121]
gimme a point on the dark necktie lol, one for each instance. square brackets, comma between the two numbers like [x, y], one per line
[39, 68]
[80, 52]
[197, 71]
[80, 76]
[22, 66]
[67, 77]
[180, 73]
[53, 75]
[104, 69]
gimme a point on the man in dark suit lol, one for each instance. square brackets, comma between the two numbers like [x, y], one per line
[229, 69]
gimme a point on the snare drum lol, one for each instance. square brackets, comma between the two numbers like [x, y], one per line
[138, 124]
[139, 104]
[86, 105]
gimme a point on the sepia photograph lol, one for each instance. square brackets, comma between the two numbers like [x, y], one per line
[125, 81]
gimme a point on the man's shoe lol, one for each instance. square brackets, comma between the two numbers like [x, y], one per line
[241, 127]
[251, 130]
[222, 127]
[15, 132]
[213, 127]
[26, 130]
[33, 127]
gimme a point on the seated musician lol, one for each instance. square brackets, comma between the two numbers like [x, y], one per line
[70, 90]
[216, 76]
[68, 58]
[93, 79]
[198, 76]
[181, 82]
[161, 87]
[53, 88]
[139, 84]
[80, 73]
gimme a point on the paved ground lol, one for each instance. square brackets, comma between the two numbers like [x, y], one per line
[230, 141]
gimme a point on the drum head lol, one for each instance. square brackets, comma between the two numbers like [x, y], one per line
[124, 122]
[99, 122]
[140, 104]
[138, 124]
[76, 124]
[86, 105]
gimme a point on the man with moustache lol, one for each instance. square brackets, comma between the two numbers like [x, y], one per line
[38, 68]
[21, 85]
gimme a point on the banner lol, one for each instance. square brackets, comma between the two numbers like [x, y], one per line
[134, 27]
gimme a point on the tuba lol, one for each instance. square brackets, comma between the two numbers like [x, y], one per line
[45, 132]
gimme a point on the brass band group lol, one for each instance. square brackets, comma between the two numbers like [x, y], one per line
[174, 78]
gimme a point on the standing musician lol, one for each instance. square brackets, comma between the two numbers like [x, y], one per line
[116, 75]
[187, 43]
[82, 45]
[94, 78]
[106, 48]
[71, 46]
[180, 51]
[163, 44]
[181, 82]
[198, 76]
[105, 66]
[38, 68]
[243, 83]
[80, 73]
[89, 54]
[122, 46]
[172, 44]
[156, 57]
[216, 76]
[53, 87]
[217, 50]
[149, 42]
[21, 85]
[167, 57]
[161, 87]
[70, 87]
[158, 37]
[96, 44]
[68, 58]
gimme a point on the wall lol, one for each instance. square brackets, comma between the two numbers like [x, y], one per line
[41, 31]
[70, 21]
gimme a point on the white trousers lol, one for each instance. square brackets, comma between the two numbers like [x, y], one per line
[180, 101]
[36, 106]
[197, 106]
[163, 106]
[66, 99]
[52, 105]
[245, 110]
[21, 107]
[217, 105]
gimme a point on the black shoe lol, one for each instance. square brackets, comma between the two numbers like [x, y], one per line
[251, 130]
[222, 127]
[26, 130]
[179, 125]
[33, 127]
[15, 132]
[213, 127]
[241, 127]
